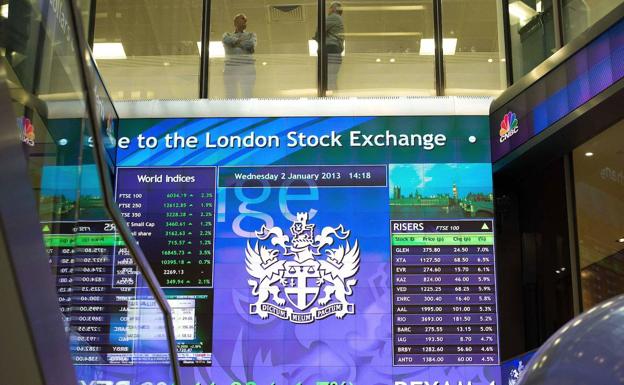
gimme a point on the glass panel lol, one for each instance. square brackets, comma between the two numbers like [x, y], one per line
[532, 34]
[85, 11]
[260, 50]
[599, 191]
[137, 42]
[116, 331]
[106, 113]
[578, 15]
[386, 48]
[19, 39]
[474, 55]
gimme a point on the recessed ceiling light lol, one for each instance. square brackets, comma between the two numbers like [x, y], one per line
[166, 64]
[589, 154]
[392, 60]
[490, 60]
[215, 49]
[427, 46]
[521, 10]
[377, 8]
[381, 34]
[264, 63]
[108, 51]
[378, 60]
[621, 240]
[313, 48]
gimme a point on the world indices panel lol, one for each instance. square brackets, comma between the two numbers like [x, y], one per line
[325, 260]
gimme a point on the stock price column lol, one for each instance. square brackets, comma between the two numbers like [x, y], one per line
[444, 293]
[171, 214]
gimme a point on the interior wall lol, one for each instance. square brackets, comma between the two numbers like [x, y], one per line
[534, 269]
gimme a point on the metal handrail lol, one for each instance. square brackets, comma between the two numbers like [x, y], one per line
[85, 61]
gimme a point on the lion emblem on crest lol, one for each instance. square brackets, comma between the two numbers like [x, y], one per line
[313, 278]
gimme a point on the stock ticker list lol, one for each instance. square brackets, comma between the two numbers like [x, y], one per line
[101, 293]
[93, 292]
[444, 292]
[171, 212]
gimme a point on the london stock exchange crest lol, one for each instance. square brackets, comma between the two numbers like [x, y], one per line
[299, 286]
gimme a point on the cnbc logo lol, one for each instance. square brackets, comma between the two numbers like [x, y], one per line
[508, 126]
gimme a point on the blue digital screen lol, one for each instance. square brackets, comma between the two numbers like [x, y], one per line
[315, 250]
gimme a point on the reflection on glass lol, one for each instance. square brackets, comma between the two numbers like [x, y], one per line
[116, 332]
[380, 48]
[85, 9]
[474, 58]
[599, 191]
[578, 15]
[258, 50]
[532, 34]
[126, 328]
[19, 36]
[149, 51]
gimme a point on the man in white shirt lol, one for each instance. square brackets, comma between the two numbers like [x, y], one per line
[239, 74]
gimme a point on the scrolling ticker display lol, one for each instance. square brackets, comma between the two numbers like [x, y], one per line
[310, 250]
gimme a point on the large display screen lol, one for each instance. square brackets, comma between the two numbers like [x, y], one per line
[317, 250]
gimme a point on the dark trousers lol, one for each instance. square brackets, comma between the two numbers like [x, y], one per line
[334, 60]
